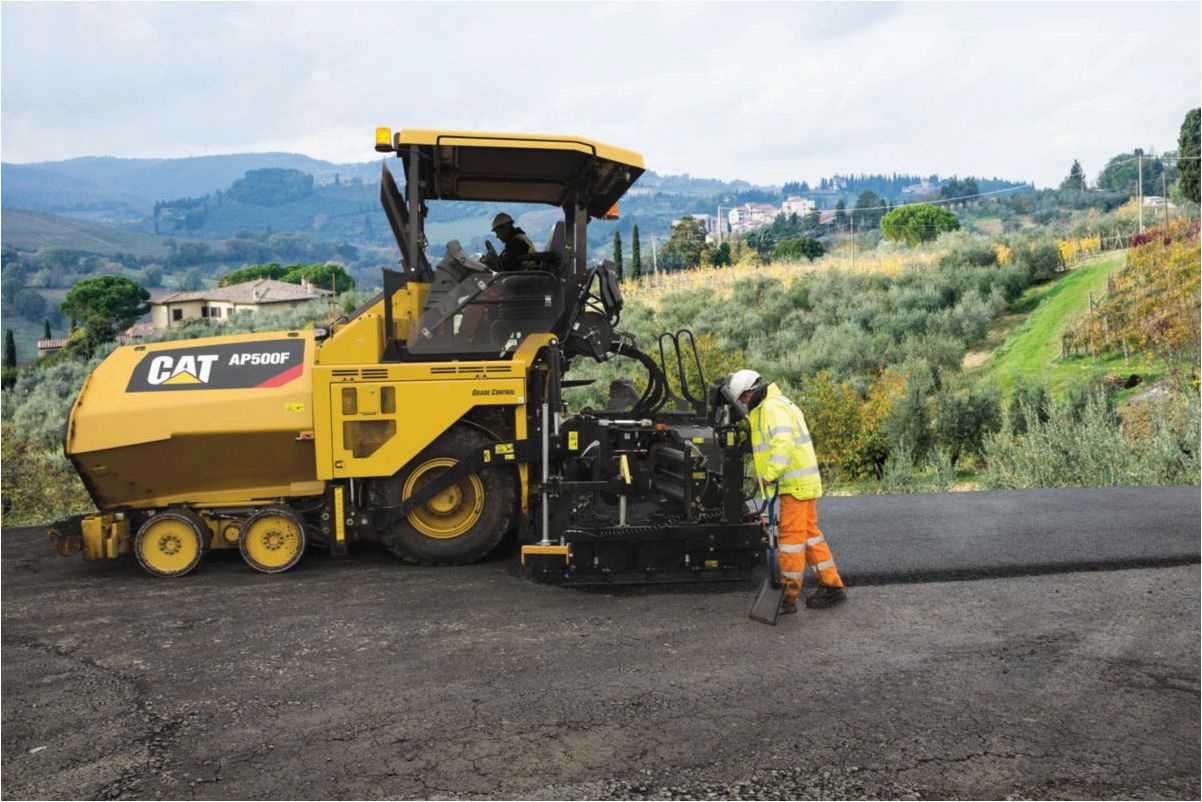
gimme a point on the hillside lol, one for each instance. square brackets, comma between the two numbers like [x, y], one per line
[24, 186]
[124, 192]
[149, 180]
[26, 230]
[1036, 323]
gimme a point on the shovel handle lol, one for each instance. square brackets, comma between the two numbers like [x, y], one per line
[770, 502]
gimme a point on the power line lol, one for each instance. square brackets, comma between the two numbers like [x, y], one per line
[850, 209]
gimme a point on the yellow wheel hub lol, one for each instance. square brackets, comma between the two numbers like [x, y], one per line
[272, 541]
[451, 513]
[169, 547]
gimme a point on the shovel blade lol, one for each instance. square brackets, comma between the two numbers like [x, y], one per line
[766, 606]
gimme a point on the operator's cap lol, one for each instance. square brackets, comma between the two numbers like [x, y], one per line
[501, 219]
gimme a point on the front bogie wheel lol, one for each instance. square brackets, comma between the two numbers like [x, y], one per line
[462, 523]
[172, 543]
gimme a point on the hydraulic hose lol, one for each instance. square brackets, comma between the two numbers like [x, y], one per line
[655, 395]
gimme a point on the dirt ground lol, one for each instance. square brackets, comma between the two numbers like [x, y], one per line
[364, 678]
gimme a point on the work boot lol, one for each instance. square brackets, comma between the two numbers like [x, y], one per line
[788, 607]
[826, 596]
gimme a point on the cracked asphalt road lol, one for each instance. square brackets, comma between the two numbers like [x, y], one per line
[364, 678]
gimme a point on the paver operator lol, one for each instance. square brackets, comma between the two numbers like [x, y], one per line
[517, 244]
[783, 452]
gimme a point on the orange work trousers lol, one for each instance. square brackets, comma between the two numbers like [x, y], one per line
[800, 544]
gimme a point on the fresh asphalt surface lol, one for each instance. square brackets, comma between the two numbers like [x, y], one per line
[1010, 533]
[364, 678]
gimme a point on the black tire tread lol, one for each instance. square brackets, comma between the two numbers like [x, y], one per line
[500, 491]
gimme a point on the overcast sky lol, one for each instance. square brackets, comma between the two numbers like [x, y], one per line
[765, 92]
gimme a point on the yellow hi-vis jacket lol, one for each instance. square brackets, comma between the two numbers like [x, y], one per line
[781, 446]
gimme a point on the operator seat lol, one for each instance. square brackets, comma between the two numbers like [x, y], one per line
[551, 258]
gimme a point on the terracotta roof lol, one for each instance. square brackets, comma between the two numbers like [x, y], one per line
[258, 291]
[139, 330]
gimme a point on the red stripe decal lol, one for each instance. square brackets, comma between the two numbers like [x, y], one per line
[281, 379]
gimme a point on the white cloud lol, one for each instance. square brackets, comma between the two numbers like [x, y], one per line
[765, 92]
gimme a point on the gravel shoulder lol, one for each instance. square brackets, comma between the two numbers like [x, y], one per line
[364, 678]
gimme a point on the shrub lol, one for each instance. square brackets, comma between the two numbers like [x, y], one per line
[39, 484]
[798, 248]
[1088, 447]
[908, 426]
[963, 420]
[1028, 402]
[1041, 259]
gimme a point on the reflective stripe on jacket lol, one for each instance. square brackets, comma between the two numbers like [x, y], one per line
[781, 446]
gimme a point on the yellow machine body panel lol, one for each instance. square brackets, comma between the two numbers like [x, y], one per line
[380, 416]
[361, 340]
[223, 420]
[376, 428]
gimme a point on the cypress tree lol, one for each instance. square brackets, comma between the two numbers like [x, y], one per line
[10, 349]
[1075, 179]
[636, 258]
[1188, 147]
[618, 252]
[46, 335]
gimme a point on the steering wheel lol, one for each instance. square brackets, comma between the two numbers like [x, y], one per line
[491, 259]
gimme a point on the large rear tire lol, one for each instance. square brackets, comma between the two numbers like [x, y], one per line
[463, 523]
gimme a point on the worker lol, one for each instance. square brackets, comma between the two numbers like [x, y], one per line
[783, 453]
[517, 244]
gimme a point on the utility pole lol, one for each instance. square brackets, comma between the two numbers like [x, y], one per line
[1141, 192]
[654, 263]
[1164, 201]
[853, 244]
[719, 225]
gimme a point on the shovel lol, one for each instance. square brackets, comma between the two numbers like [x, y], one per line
[766, 606]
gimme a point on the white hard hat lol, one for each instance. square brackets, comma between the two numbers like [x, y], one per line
[741, 381]
[501, 219]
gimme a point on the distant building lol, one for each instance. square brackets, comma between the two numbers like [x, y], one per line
[798, 205]
[328, 180]
[751, 215]
[222, 303]
[51, 346]
[717, 227]
[1158, 201]
[923, 187]
[56, 344]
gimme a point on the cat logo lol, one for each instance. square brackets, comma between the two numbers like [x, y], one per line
[188, 369]
[259, 364]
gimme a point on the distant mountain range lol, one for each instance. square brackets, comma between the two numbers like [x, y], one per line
[196, 198]
[123, 190]
[344, 206]
[129, 188]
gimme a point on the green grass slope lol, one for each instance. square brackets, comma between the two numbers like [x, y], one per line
[28, 230]
[1031, 351]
